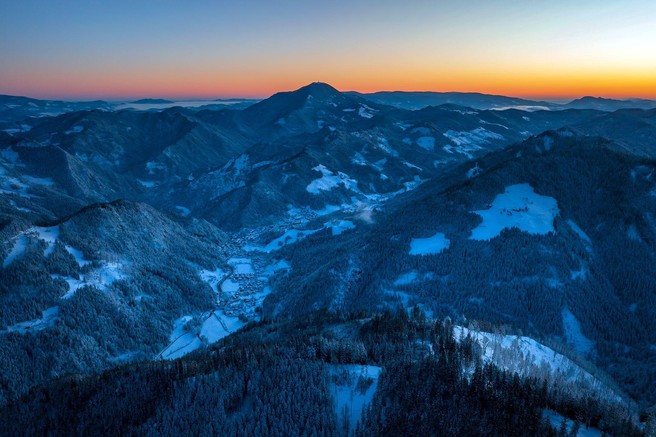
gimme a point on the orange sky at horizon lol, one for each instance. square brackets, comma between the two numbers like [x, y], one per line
[129, 49]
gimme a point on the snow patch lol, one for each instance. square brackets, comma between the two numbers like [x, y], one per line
[242, 266]
[337, 227]
[47, 320]
[573, 333]
[353, 387]
[427, 143]
[212, 277]
[184, 212]
[18, 249]
[365, 111]
[582, 235]
[74, 130]
[429, 246]
[329, 180]
[518, 207]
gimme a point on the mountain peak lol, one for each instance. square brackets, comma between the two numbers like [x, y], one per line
[318, 89]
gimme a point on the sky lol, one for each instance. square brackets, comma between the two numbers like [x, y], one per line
[117, 49]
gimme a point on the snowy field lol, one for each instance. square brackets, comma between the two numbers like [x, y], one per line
[353, 387]
[573, 333]
[49, 316]
[329, 180]
[518, 207]
[429, 246]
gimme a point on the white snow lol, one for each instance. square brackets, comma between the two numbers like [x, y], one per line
[184, 212]
[182, 342]
[473, 172]
[276, 266]
[353, 387]
[556, 421]
[289, 237]
[218, 325]
[18, 249]
[527, 357]
[413, 277]
[152, 167]
[73, 285]
[476, 137]
[241, 266]
[49, 316]
[633, 233]
[230, 286]
[212, 277]
[74, 130]
[147, 184]
[427, 143]
[429, 246]
[215, 326]
[582, 235]
[518, 207]
[329, 180]
[573, 333]
[49, 235]
[339, 226]
[46, 182]
[78, 255]
[407, 278]
[365, 111]
[100, 278]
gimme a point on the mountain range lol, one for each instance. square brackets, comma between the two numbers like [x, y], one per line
[131, 238]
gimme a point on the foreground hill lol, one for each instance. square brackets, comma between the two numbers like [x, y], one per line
[323, 375]
[98, 288]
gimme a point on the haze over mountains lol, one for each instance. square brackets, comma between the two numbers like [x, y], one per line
[137, 235]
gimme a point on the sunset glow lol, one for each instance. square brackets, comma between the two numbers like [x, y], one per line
[207, 49]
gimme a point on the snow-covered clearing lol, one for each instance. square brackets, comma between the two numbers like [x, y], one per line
[330, 180]
[556, 421]
[212, 277]
[365, 111]
[337, 227]
[242, 266]
[218, 325]
[46, 182]
[289, 237]
[427, 143]
[413, 277]
[47, 320]
[518, 207]
[152, 167]
[182, 342]
[78, 255]
[229, 286]
[473, 172]
[573, 333]
[184, 211]
[101, 277]
[429, 246]
[20, 245]
[475, 137]
[21, 241]
[353, 387]
[74, 130]
[147, 184]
